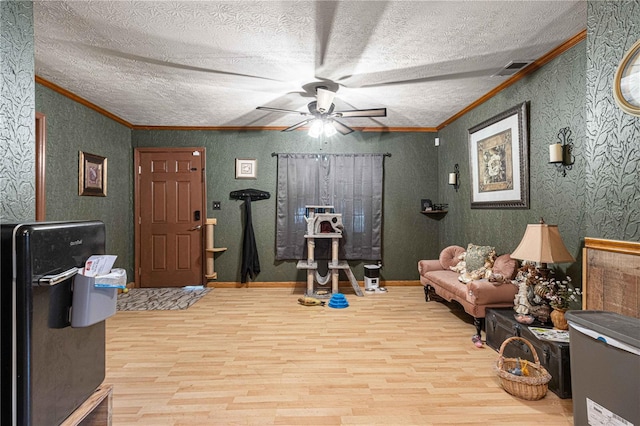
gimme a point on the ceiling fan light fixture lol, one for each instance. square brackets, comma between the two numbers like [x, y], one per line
[324, 99]
[316, 128]
[329, 129]
[320, 126]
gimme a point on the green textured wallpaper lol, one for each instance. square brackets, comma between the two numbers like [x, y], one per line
[556, 99]
[72, 127]
[599, 197]
[17, 115]
[411, 173]
[613, 137]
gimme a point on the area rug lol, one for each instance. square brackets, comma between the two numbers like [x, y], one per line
[160, 299]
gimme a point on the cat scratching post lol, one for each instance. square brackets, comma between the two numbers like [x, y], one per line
[323, 222]
[311, 244]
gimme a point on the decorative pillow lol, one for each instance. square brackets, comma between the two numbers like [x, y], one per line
[460, 267]
[497, 279]
[483, 256]
[478, 274]
[450, 256]
[505, 266]
[478, 256]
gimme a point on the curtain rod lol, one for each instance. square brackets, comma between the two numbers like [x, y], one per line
[275, 154]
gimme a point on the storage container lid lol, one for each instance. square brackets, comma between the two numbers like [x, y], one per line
[619, 327]
[372, 266]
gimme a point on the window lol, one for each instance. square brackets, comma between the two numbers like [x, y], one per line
[352, 183]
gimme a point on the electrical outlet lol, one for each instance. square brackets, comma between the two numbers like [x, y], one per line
[216, 205]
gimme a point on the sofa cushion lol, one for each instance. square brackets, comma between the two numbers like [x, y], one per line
[448, 281]
[506, 266]
[450, 256]
[483, 292]
[425, 266]
[478, 256]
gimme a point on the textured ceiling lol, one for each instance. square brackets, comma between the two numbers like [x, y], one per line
[186, 63]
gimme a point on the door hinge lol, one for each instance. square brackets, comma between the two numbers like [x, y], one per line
[139, 271]
[139, 220]
[139, 170]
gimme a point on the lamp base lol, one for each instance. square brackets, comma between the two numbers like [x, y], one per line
[544, 271]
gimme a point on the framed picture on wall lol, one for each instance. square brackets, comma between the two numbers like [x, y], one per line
[92, 175]
[246, 168]
[499, 161]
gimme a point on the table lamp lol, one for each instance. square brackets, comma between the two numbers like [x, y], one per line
[543, 244]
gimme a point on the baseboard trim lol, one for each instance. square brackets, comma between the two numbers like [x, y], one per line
[302, 285]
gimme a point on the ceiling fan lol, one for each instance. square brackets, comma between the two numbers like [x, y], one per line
[323, 118]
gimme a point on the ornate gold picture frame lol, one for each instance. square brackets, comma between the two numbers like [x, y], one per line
[92, 175]
[499, 161]
[626, 83]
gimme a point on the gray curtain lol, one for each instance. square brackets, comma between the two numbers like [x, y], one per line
[352, 183]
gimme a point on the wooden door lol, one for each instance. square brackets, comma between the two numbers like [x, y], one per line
[170, 200]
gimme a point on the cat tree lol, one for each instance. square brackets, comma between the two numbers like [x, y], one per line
[323, 222]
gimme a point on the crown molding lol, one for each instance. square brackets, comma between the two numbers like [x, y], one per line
[88, 104]
[281, 128]
[534, 66]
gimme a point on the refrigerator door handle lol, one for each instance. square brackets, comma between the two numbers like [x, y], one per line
[51, 280]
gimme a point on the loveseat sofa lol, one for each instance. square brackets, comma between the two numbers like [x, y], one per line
[495, 290]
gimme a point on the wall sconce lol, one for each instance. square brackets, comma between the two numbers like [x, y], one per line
[454, 178]
[561, 153]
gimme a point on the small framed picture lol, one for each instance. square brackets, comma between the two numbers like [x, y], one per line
[92, 175]
[246, 168]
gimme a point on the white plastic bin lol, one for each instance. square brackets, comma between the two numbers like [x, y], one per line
[605, 368]
[95, 298]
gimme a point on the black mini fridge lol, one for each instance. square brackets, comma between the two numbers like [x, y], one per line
[47, 367]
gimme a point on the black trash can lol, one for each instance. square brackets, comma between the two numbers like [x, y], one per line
[605, 368]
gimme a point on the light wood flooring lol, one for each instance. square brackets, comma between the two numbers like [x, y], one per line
[256, 357]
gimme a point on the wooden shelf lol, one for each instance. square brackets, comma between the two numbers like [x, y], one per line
[95, 411]
[434, 212]
[210, 274]
[216, 249]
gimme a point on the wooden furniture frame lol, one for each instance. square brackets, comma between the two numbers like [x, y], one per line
[611, 276]
[95, 411]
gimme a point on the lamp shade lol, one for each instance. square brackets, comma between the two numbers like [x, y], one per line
[542, 243]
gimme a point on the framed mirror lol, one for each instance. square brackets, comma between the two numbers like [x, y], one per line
[626, 84]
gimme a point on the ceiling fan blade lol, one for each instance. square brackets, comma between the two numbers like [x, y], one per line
[342, 128]
[295, 126]
[281, 110]
[374, 112]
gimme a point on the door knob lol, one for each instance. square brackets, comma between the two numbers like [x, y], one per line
[195, 228]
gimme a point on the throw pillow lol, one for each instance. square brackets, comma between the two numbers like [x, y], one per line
[478, 256]
[450, 256]
[479, 261]
[478, 274]
[505, 266]
[461, 266]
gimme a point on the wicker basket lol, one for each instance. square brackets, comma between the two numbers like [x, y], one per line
[531, 387]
